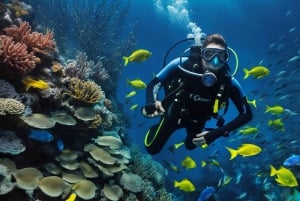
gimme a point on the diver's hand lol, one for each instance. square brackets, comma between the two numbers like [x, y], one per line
[207, 137]
[199, 140]
[153, 110]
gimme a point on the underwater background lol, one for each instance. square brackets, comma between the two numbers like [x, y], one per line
[86, 135]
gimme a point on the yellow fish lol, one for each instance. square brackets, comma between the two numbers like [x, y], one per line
[248, 130]
[276, 109]
[137, 56]
[212, 162]
[39, 84]
[188, 163]
[72, 197]
[285, 177]
[277, 124]
[130, 94]
[171, 166]
[185, 185]
[133, 107]
[253, 103]
[244, 150]
[137, 83]
[256, 72]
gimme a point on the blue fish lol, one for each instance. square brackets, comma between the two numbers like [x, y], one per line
[40, 136]
[206, 193]
[293, 160]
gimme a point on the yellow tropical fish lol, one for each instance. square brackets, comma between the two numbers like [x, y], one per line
[137, 56]
[277, 124]
[276, 109]
[137, 83]
[39, 84]
[248, 130]
[256, 72]
[244, 150]
[253, 103]
[171, 166]
[133, 107]
[130, 94]
[72, 197]
[185, 185]
[285, 177]
[212, 162]
[188, 163]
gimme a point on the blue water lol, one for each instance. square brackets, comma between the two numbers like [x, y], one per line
[250, 28]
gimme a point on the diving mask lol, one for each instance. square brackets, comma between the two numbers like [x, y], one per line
[215, 55]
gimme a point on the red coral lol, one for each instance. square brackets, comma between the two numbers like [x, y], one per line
[15, 55]
[18, 33]
[40, 43]
[36, 42]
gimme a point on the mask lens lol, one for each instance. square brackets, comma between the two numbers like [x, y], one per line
[209, 53]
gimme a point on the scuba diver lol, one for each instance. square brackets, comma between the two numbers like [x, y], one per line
[196, 87]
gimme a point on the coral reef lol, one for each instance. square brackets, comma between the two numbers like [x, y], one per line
[10, 143]
[36, 42]
[85, 91]
[11, 106]
[80, 68]
[16, 55]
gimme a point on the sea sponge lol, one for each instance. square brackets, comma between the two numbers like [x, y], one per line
[85, 91]
[11, 106]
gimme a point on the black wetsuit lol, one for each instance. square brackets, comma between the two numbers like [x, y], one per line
[191, 105]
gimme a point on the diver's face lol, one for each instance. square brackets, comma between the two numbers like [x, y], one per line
[214, 63]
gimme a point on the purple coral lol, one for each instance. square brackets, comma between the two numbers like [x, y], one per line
[10, 143]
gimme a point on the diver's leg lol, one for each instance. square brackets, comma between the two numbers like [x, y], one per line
[157, 136]
[192, 128]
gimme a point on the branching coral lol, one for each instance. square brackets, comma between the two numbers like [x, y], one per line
[16, 56]
[85, 91]
[36, 42]
[79, 68]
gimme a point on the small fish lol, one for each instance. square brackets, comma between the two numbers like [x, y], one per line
[134, 107]
[292, 29]
[38, 84]
[285, 177]
[40, 135]
[211, 162]
[276, 109]
[293, 160]
[185, 185]
[248, 130]
[294, 58]
[72, 197]
[137, 56]
[171, 166]
[242, 196]
[188, 163]
[206, 193]
[137, 83]
[253, 103]
[277, 124]
[256, 72]
[175, 146]
[130, 94]
[244, 150]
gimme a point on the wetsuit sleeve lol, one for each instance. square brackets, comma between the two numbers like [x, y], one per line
[245, 114]
[167, 73]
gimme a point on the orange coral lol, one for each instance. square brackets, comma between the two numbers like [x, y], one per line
[15, 55]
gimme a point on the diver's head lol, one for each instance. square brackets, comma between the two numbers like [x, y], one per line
[214, 53]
